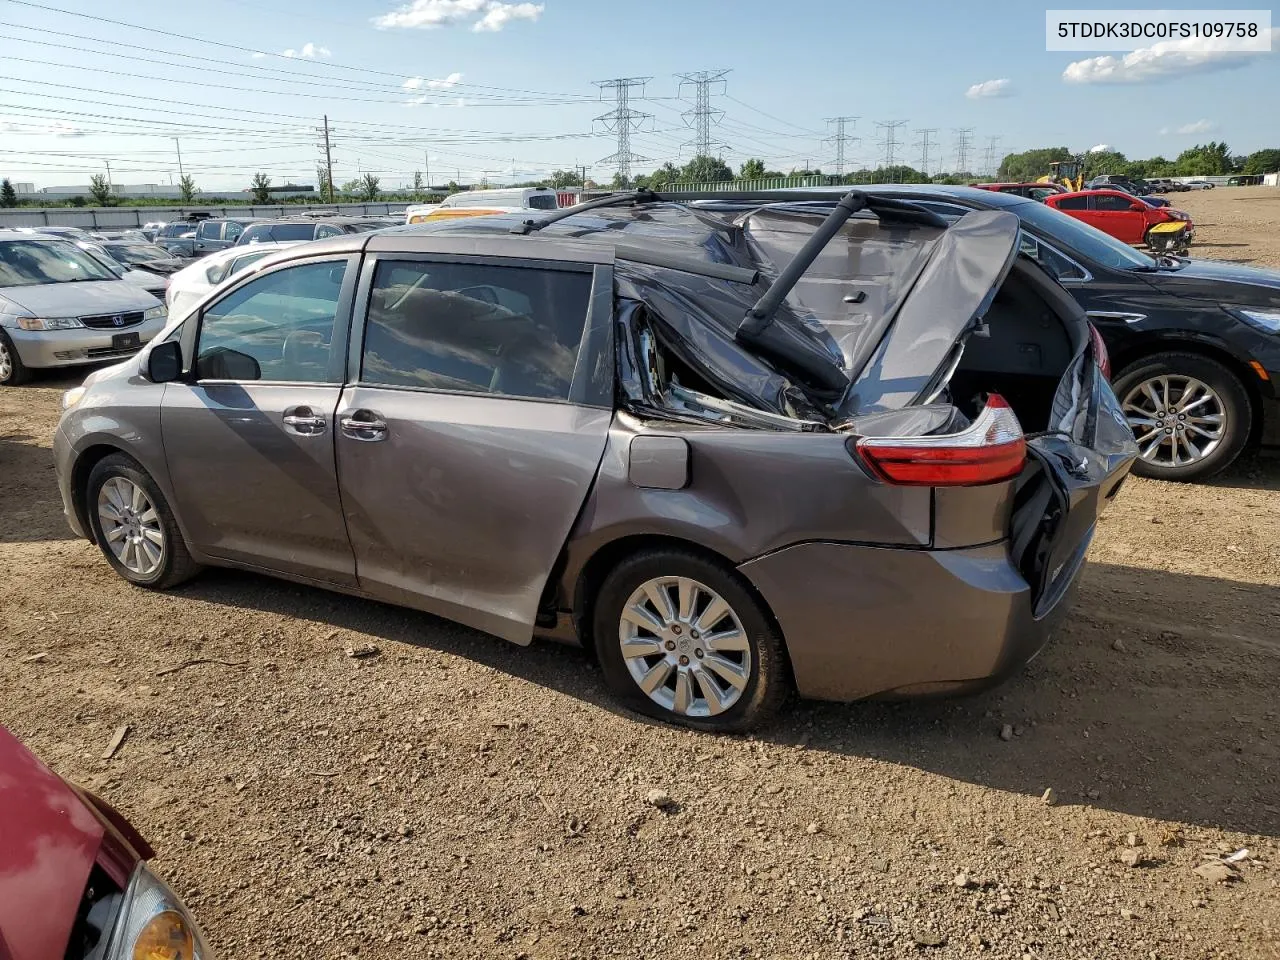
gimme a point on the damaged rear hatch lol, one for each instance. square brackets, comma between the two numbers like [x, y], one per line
[898, 304]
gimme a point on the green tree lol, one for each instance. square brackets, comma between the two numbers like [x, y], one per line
[667, 173]
[1211, 159]
[565, 178]
[1030, 164]
[100, 189]
[187, 188]
[77, 201]
[900, 173]
[369, 187]
[1262, 161]
[324, 186]
[705, 169]
[418, 182]
[8, 195]
[752, 169]
[261, 187]
[804, 172]
[452, 187]
[1105, 161]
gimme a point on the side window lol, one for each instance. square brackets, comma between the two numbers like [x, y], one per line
[508, 331]
[1049, 258]
[1108, 202]
[233, 231]
[239, 263]
[277, 327]
[1073, 203]
[209, 230]
[327, 230]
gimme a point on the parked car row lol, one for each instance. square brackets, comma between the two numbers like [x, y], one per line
[197, 238]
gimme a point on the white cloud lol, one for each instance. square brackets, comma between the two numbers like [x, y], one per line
[1100, 148]
[498, 15]
[309, 51]
[484, 15]
[990, 88]
[1190, 129]
[448, 83]
[258, 55]
[1169, 58]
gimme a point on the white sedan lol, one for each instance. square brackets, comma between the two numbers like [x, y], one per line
[189, 285]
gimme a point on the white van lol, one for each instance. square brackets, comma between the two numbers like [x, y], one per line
[476, 203]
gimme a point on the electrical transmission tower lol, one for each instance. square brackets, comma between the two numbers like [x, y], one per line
[702, 116]
[989, 156]
[962, 148]
[889, 139]
[622, 120]
[925, 143]
[841, 139]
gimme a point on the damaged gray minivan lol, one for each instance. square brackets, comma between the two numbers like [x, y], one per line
[736, 444]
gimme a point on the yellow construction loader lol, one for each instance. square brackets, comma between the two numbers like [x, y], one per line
[1067, 173]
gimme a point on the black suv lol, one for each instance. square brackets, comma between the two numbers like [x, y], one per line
[1195, 344]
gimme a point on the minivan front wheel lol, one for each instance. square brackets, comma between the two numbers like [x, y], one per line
[133, 525]
[1190, 415]
[13, 372]
[682, 638]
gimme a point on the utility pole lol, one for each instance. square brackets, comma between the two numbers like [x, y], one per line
[841, 139]
[890, 139]
[178, 144]
[989, 159]
[328, 159]
[109, 183]
[622, 120]
[924, 145]
[701, 116]
[962, 148]
[426, 166]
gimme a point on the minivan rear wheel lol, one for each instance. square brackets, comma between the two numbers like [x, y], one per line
[133, 525]
[1190, 415]
[682, 638]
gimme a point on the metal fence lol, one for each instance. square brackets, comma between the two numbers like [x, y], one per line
[763, 183]
[124, 217]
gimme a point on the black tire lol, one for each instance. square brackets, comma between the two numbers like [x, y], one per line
[768, 683]
[1235, 404]
[176, 565]
[17, 372]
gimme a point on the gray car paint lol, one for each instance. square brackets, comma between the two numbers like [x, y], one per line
[85, 298]
[450, 514]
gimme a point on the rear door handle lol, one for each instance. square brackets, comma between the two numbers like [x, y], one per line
[364, 425]
[304, 421]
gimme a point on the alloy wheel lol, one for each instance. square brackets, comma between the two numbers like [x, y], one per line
[685, 647]
[6, 362]
[1176, 420]
[131, 526]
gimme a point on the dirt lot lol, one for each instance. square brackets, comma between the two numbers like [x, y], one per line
[456, 796]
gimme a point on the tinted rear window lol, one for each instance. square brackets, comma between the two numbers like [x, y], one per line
[292, 231]
[543, 201]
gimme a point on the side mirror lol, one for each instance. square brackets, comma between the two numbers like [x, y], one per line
[164, 362]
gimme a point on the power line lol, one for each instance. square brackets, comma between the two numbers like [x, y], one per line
[923, 143]
[962, 135]
[622, 120]
[890, 139]
[701, 116]
[841, 139]
[989, 155]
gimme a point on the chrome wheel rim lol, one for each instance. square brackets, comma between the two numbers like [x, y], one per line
[1177, 421]
[6, 363]
[131, 526]
[685, 647]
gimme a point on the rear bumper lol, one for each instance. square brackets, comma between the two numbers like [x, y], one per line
[861, 621]
[67, 348]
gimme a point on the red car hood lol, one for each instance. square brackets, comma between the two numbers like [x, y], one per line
[49, 838]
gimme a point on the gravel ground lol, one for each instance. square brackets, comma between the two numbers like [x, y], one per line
[451, 795]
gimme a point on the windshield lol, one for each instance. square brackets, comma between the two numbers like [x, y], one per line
[1083, 239]
[27, 263]
[137, 252]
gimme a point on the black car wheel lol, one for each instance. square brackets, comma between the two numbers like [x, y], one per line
[13, 371]
[133, 525]
[1190, 415]
[684, 639]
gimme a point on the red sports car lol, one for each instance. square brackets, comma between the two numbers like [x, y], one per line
[73, 879]
[1114, 212]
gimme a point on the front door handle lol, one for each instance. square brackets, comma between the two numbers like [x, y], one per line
[364, 425]
[304, 421]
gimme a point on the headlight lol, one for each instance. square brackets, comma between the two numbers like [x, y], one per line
[72, 397]
[48, 323]
[155, 313]
[1267, 321]
[154, 925]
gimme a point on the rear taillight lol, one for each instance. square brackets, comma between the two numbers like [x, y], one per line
[1100, 355]
[992, 448]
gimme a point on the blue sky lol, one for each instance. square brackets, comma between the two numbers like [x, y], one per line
[488, 87]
